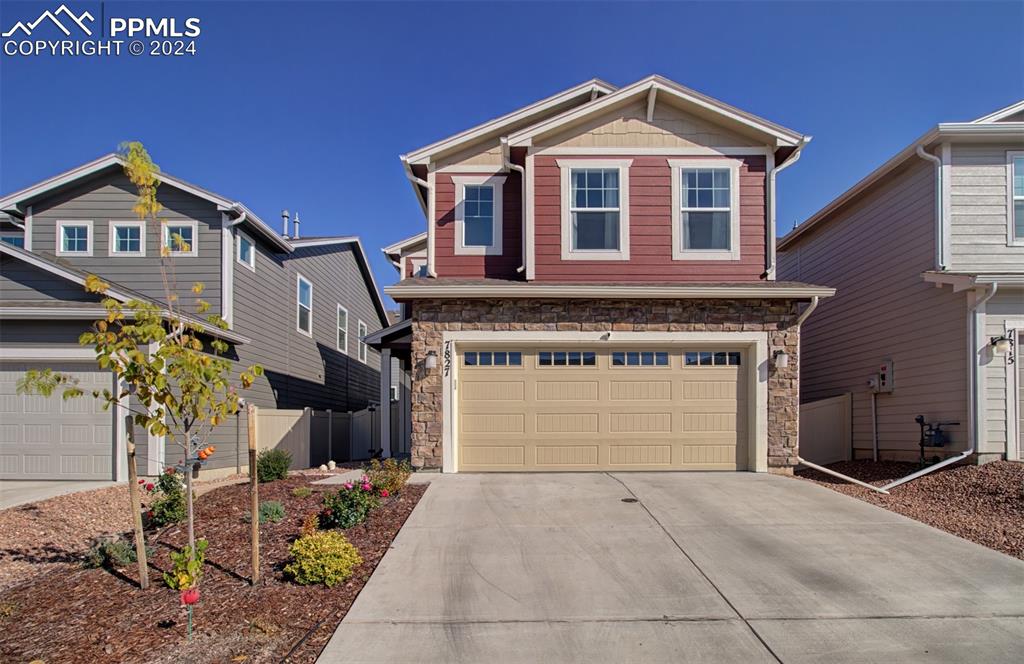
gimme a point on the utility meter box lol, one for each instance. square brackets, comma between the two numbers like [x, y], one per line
[886, 378]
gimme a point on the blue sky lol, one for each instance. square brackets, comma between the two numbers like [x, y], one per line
[307, 106]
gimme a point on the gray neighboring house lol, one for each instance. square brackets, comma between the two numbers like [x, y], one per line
[927, 255]
[298, 307]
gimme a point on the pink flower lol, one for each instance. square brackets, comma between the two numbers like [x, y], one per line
[141, 481]
[384, 493]
[348, 485]
[150, 487]
[367, 487]
[189, 596]
[364, 479]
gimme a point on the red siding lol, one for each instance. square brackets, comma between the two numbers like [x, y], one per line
[650, 228]
[448, 264]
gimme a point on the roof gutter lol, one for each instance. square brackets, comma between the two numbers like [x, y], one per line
[769, 268]
[428, 211]
[940, 221]
[610, 291]
[506, 157]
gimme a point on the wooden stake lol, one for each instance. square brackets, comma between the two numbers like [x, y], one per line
[136, 502]
[254, 496]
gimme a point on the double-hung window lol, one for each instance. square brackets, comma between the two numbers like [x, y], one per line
[127, 238]
[1015, 168]
[595, 209]
[361, 332]
[74, 238]
[246, 251]
[478, 218]
[180, 238]
[705, 209]
[342, 329]
[304, 306]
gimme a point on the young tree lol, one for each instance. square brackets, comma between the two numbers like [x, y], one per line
[165, 361]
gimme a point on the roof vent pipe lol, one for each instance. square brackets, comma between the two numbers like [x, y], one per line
[296, 236]
[284, 218]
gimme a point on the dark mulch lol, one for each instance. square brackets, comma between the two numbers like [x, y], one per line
[984, 504]
[82, 615]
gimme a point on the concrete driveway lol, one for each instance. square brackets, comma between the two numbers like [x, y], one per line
[704, 567]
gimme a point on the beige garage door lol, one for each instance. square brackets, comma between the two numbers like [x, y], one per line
[604, 408]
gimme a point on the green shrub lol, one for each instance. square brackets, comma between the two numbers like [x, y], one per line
[186, 571]
[302, 492]
[169, 504]
[324, 557]
[111, 552]
[273, 464]
[389, 475]
[348, 507]
[271, 511]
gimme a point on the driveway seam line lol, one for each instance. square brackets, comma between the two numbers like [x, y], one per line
[697, 567]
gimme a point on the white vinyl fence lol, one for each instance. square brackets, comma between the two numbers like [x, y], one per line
[826, 430]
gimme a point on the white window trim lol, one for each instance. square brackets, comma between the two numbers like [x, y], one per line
[343, 349]
[496, 183]
[362, 349]
[1011, 239]
[59, 247]
[680, 254]
[570, 254]
[164, 237]
[1014, 328]
[251, 264]
[141, 225]
[298, 304]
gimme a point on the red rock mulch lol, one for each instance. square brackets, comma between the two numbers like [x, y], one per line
[73, 614]
[984, 504]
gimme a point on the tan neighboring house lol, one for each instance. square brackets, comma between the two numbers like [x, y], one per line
[927, 255]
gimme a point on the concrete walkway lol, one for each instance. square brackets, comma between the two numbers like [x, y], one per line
[704, 567]
[19, 492]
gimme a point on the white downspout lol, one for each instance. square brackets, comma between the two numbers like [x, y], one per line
[506, 157]
[770, 248]
[430, 214]
[940, 252]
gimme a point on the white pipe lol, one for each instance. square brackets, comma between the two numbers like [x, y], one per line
[808, 311]
[833, 473]
[770, 251]
[507, 159]
[240, 219]
[874, 425]
[939, 248]
[925, 471]
[428, 210]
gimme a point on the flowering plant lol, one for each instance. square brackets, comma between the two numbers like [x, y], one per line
[349, 506]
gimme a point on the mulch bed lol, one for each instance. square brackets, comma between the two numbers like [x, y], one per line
[984, 504]
[74, 614]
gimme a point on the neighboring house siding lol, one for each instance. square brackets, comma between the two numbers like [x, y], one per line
[449, 264]
[110, 197]
[650, 227]
[1007, 304]
[21, 282]
[874, 251]
[979, 210]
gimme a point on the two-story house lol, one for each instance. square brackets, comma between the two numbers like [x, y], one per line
[299, 307]
[596, 288]
[927, 254]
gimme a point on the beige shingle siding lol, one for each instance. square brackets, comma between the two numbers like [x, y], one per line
[979, 210]
[874, 251]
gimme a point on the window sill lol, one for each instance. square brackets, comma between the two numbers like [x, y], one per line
[596, 255]
[705, 255]
[478, 251]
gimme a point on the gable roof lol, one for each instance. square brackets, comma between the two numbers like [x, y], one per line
[115, 290]
[658, 85]
[14, 202]
[1005, 112]
[361, 260]
[394, 251]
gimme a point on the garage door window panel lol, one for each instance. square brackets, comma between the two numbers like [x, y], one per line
[640, 358]
[566, 358]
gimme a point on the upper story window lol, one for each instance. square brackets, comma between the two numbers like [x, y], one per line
[595, 209]
[478, 214]
[181, 238]
[361, 332]
[13, 240]
[705, 209]
[127, 238]
[1016, 222]
[304, 306]
[246, 251]
[74, 238]
[342, 340]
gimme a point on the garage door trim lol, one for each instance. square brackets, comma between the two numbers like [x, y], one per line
[756, 344]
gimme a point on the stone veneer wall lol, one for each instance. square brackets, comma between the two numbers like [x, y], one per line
[431, 318]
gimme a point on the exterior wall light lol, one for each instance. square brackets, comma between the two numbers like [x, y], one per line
[1003, 346]
[431, 360]
[781, 359]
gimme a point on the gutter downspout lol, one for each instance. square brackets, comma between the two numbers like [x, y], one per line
[940, 249]
[506, 157]
[770, 252]
[428, 210]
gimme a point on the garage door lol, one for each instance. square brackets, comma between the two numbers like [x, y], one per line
[602, 408]
[49, 438]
